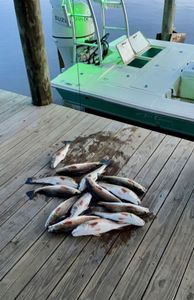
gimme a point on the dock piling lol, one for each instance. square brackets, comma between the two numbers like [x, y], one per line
[168, 19]
[32, 40]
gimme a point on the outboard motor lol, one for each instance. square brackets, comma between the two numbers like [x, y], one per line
[62, 29]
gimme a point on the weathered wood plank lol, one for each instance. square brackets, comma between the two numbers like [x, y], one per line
[171, 268]
[56, 137]
[11, 255]
[146, 258]
[36, 265]
[112, 126]
[120, 133]
[52, 119]
[5, 236]
[109, 272]
[17, 121]
[186, 289]
[32, 142]
[5, 233]
[14, 105]
[6, 96]
[84, 268]
[144, 153]
[13, 135]
[40, 167]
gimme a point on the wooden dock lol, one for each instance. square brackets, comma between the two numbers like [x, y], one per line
[153, 262]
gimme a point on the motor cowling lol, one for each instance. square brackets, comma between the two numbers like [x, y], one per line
[62, 30]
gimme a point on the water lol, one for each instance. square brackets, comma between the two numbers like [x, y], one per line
[145, 16]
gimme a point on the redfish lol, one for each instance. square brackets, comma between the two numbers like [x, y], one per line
[53, 180]
[122, 217]
[126, 182]
[96, 227]
[99, 192]
[69, 223]
[121, 192]
[79, 169]
[125, 207]
[60, 211]
[94, 174]
[81, 205]
[54, 191]
[60, 155]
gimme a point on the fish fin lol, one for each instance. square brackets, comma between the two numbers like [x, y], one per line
[52, 164]
[29, 180]
[30, 194]
[67, 142]
[50, 228]
[106, 161]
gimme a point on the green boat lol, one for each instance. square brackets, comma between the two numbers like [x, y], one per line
[143, 81]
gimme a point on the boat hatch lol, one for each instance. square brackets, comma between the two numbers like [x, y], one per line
[138, 63]
[137, 50]
[151, 52]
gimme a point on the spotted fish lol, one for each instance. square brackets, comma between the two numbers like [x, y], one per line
[96, 227]
[79, 169]
[121, 192]
[60, 155]
[60, 211]
[54, 191]
[99, 192]
[121, 217]
[125, 207]
[53, 180]
[81, 205]
[126, 182]
[94, 175]
[70, 223]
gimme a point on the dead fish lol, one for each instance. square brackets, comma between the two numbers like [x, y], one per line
[121, 217]
[60, 155]
[125, 207]
[69, 223]
[54, 191]
[94, 175]
[96, 227]
[122, 193]
[60, 211]
[53, 180]
[126, 182]
[79, 169]
[97, 208]
[99, 192]
[81, 205]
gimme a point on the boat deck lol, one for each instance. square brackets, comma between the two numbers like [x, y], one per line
[145, 95]
[153, 262]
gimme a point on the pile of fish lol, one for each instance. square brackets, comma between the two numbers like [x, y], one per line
[95, 205]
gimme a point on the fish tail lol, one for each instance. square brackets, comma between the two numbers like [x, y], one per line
[50, 228]
[30, 194]
[106, 162]
[29, 180]
[67, 142]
